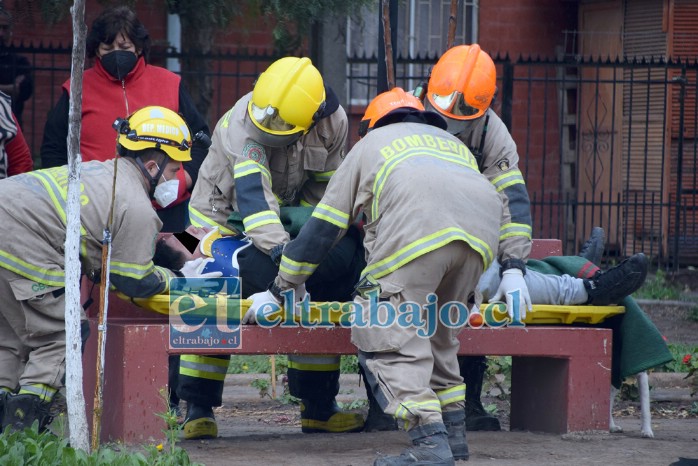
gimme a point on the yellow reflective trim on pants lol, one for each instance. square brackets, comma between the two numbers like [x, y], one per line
[309, 362]
[43, 391]
[451, 395]
[199, 374]
[408, 408]
[313, 367]
[203, 367]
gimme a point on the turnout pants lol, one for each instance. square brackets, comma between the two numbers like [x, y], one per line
[201, 378]
[415, 378]
[32, 336]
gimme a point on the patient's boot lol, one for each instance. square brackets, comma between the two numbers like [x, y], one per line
[324, 416]
[200, 422]
[613, 285]
[592, 249]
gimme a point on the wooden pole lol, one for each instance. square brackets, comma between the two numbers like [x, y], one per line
[390, 69]
[102, 317]
[272, 360]
[79, 434]
[452, 23]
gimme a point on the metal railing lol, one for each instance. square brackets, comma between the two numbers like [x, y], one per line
[609, 143]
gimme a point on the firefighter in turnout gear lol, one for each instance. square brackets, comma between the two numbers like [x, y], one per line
[275, 149]
[407, 163]
[461, 88]
[152, 145]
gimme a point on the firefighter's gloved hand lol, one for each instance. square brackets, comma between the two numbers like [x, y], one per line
[513, 285]
[194, 269]
[263, 304]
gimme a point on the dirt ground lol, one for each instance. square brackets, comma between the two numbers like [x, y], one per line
[255, 431]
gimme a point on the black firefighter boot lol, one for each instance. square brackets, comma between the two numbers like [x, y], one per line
[200, 422]
[613, 285]
[592, 249]
[324, 416]
[454, 420]
[472, 369]
[377, 419]
[429, 447]
[3, 395]
[20, 412]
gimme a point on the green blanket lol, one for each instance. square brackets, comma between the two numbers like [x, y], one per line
[637, 344]
[292, 218]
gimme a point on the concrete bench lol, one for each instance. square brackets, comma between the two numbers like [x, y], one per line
[560, 374]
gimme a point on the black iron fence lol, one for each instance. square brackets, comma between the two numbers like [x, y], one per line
[609, 143]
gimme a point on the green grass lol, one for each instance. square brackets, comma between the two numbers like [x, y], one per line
[30, 447]
[261, 364]
[658, 287]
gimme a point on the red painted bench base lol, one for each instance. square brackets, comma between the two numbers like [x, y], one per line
[560, 375]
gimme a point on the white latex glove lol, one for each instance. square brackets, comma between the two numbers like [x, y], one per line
[193, 268]
[259, 299]
[260, 306]
[513, 281]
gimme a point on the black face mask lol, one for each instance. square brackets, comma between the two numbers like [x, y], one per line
[119, 63]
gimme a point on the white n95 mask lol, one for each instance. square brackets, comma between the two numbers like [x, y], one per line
[166, 193]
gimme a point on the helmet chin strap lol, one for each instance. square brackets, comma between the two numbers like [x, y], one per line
[153, 180]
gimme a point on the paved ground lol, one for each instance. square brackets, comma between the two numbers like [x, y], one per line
[256, 431]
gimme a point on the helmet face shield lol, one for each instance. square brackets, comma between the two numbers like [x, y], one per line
[455, 104]
[269, 120]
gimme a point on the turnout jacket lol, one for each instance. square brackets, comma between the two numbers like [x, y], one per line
[499, 162]
[33, 230]
[241, 174]
[419, 188]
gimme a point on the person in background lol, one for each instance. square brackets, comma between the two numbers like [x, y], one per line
[120, 82]
[15, 70]
[15, 157]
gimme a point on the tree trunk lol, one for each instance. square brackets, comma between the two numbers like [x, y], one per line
[79, 435]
